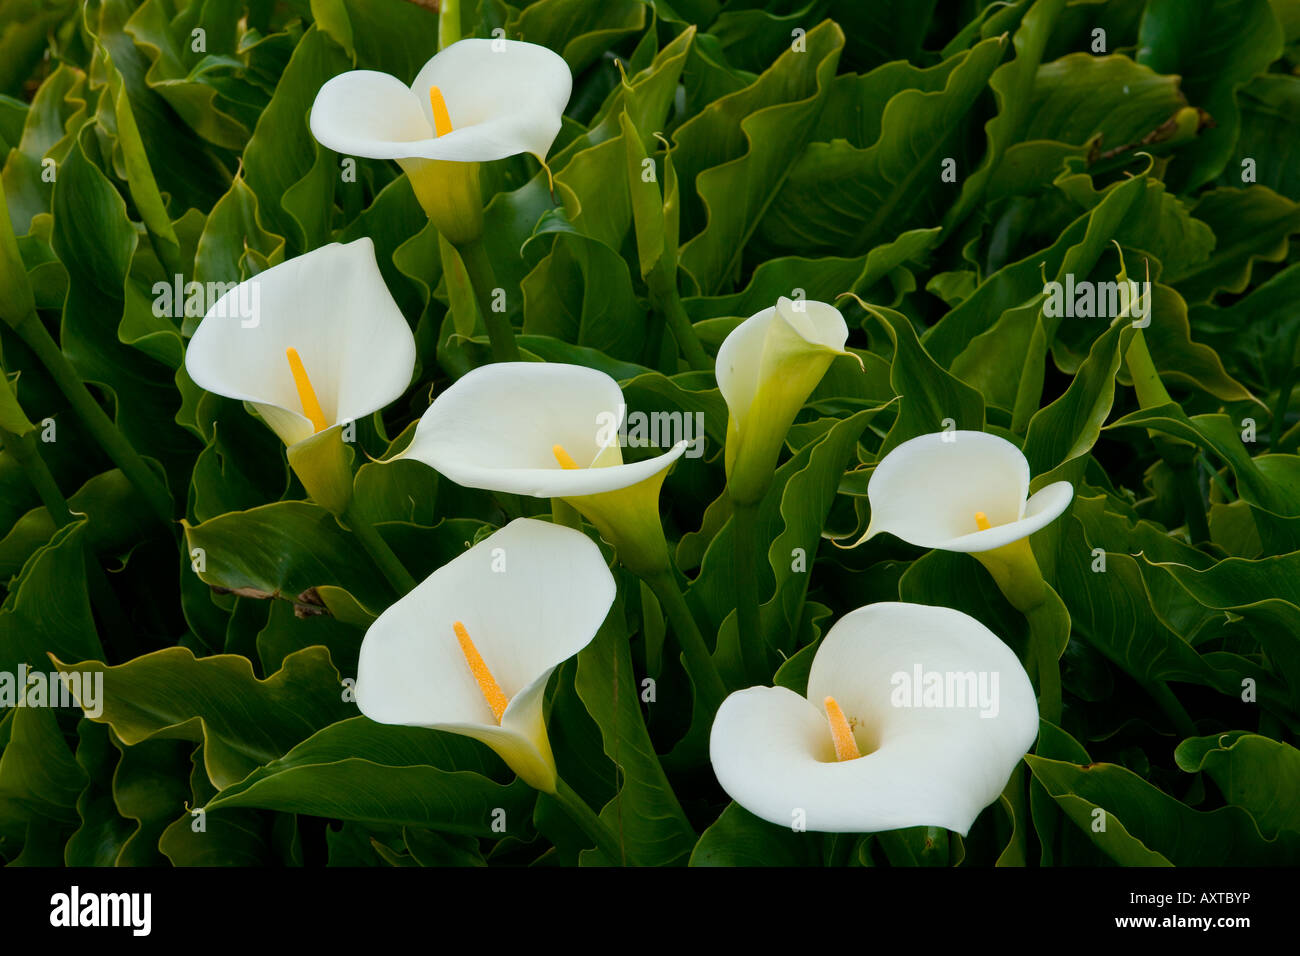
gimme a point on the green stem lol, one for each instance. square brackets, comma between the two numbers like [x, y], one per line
[500, 333]
[1189, 492]
[705, 675]
[1174, 710]
[1014, 793]
[595, 828]
[745, 554]
[668, 302]
[379, 551]
[565, 514]
[448, 23]
[1047, 666]
[23, 448]
[97, 422]
[1278, 425]
[1217, 478]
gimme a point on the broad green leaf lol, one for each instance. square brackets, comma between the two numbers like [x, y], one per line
[1215, 47]
[644, 813]
[739, 149]
[1146, 827]
[243, 722]
[848, 198]
[1249, 225]
[1255, 773]
[738, 838]
[367, 772]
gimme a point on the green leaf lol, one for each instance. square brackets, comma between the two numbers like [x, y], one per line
[1113, 611]
[1265, 592]
[930, 397]
[1146, 827]
[579, 30]
[644, 813]
[1255, 773]
[40, 780]
[373, 773]
[1215, 47]
[581, 292]
[740, 148]
[99, 839]
[738, 838]
[47, 609]
[1012, 84]
[284, 548]
[292, 176]
[848, 198]
[243, 722]
[1249, 225]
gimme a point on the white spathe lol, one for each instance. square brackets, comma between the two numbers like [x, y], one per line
[766, 369]
[530, 596]
[927, 491]
[332, 306]
[772, 749]
[758, 350]
[503, 97]
[496, 428]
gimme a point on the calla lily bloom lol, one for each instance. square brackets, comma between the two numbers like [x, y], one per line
[470, 650]
[311, 344]
[475, 101]
[325, 345]
[960, 491]
[915, 716]
[967, 491]
[549, 430]
[766, 368]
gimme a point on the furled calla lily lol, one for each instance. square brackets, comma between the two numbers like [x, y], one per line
[767, 367]
[311, 344]
[470, 650]
[475, 101]
[549, 430]
[915, 716]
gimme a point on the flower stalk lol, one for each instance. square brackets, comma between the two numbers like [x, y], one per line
[667, 301]
[501, 334]
[747, 551]
[387, 562]
[703, 672]
[593, 826]
[145, 480]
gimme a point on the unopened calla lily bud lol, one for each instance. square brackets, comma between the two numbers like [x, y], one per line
[766, 368]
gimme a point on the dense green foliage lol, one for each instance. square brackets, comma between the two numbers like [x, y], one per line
[808, 161]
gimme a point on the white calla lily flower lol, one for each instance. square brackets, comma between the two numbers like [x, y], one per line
[498, 98]
[960, 491]
[498, 427]
[766, 369]
[915, 716]
[311, 343]
[548, 430]
[470, 650]
[475, 101]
